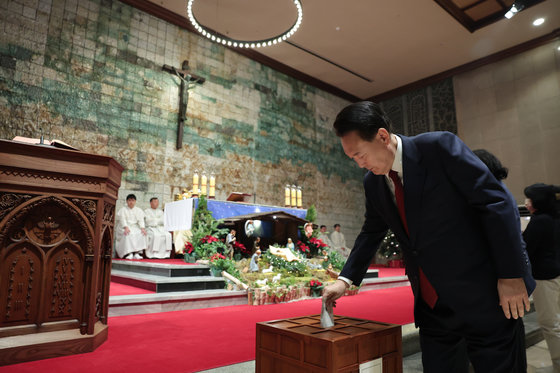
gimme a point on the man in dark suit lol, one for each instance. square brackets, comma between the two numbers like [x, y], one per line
[460, 239]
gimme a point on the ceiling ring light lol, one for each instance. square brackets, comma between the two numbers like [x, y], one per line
[221, 39]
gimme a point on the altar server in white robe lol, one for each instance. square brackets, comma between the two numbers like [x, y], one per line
[159, 240]
[131, 232]
[339, 242]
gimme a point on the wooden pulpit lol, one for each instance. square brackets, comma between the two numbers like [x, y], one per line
[57, 213]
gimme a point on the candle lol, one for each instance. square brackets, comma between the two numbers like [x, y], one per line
[203, 181]
[299, 197]
[212, 189]
[195, 182]
[287, 193]
[294, 196]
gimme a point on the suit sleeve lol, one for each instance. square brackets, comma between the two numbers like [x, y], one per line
[494, 208]
[366, 244]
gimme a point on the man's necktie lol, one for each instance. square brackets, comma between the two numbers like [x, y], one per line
[427, 291]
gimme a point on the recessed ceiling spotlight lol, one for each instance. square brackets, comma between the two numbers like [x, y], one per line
[538, 21]
[513, 11]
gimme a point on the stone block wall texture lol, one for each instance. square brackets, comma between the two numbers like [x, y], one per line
[89, 73]
[512, 109]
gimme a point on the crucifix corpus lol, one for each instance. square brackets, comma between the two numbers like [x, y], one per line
[188, 81]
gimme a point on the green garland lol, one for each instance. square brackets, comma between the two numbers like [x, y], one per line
[295, 268]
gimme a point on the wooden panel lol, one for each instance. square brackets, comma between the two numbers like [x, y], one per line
[56, 220]
[392, 363]
[64, 283]
[21, 273]
[346, 354]
[369, 349]
[340, 349]
[268, 341]
[316, 353]
[290, 347]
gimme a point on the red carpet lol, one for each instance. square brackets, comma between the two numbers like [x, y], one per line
[390, 272]
[190, 341]
[121, 289]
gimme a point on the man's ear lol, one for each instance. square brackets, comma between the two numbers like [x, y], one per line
[384, 135]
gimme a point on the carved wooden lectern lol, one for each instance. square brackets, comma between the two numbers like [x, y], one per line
[57, 213]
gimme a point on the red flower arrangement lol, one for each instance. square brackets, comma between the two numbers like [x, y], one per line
[303, 248]
[216, 257]
[239, 247]
[315, 283]
[208, 239]
[318, 243]
[189, 248]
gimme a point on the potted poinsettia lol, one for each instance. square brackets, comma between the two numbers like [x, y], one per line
[217, 264]
[240, 251]
[316, 287]
[303, 248]
[209, 245]
[189, 254]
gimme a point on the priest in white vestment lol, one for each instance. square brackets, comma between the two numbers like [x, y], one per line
[324, 236]
[339, 242]
[130, 232]
[159, 241]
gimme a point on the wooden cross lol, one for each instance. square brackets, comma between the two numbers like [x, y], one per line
[188, 81]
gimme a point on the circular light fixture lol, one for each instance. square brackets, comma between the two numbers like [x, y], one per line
[222, 39]
[538, 21]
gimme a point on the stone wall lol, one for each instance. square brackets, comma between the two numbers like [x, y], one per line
[511, 108]
[89, 73]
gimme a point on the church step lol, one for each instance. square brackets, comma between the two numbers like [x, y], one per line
[372, 273]
[121, 305]
[161, 269]
[163, 284]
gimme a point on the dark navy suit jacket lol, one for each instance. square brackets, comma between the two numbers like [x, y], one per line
[464, 232]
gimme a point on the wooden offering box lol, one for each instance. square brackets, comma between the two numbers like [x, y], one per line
[301, 345]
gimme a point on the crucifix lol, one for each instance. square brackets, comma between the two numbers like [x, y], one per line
[188, 81]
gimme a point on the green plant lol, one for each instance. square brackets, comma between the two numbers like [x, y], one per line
[334, 259]
[205, 226]
[220, 263]
[295, 268]
[311, 214]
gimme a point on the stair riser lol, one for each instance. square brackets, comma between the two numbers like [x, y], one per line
[169, 287]
[166, 272]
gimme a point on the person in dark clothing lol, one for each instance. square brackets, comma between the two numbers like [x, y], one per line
[542, 236]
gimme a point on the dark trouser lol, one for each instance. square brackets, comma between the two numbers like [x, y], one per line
[491, 342]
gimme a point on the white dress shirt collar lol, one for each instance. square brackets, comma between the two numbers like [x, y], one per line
[397, 162]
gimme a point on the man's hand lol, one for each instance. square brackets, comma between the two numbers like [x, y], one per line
[513, 296]
[333, 292]
[126, 231]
